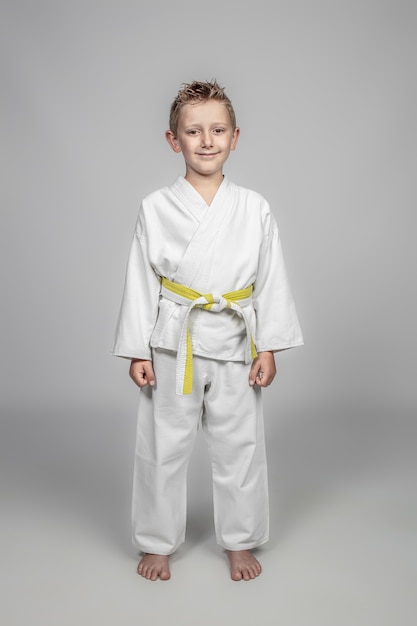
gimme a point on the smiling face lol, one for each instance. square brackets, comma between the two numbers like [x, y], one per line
[205, 136]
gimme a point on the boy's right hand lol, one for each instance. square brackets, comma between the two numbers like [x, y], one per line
[141, 372]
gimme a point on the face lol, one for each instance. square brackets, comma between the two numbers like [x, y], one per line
[205, 137]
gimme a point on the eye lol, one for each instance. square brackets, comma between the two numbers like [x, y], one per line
[219, 131]
[192, 131]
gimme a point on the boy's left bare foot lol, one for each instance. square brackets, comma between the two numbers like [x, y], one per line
[243, 565]
[154, 566]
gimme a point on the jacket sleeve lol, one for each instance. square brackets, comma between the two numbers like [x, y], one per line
[140, 301]
[277, 325]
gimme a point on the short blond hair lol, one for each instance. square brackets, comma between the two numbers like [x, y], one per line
[199, 92]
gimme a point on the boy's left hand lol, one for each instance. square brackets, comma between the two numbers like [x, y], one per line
[263, 369]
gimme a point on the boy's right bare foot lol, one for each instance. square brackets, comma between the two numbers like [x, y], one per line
[154, 566]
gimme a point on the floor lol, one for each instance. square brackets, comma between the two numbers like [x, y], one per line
[343, 547]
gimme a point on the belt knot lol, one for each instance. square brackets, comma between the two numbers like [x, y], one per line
[215, 302]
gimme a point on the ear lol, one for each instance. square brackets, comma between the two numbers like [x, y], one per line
[235, 137]
[173, 141]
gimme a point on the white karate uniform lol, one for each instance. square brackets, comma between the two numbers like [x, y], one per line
[224, 247]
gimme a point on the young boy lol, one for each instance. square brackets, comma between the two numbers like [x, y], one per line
[205, 306]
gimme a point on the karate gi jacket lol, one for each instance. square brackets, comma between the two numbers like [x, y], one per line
[224, 247]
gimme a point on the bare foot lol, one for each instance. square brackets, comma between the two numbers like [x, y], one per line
[154, 566]
[243, 565]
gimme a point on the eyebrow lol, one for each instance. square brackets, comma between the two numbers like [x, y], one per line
[211, 124]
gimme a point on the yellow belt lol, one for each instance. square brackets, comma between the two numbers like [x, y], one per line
[235, 300]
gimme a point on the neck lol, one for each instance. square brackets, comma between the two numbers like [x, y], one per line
[206, 186]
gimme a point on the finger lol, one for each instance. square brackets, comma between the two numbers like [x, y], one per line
[260, 378]
[253, 373]
[264, 378]
[150, 379]
[138, 376]
[149, 374]
[140, 379]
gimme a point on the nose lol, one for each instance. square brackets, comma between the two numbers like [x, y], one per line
[206, 139]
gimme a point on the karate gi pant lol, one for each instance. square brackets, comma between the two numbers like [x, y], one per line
[230, 411]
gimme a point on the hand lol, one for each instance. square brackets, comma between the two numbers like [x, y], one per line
[263, 369]
[141, 372]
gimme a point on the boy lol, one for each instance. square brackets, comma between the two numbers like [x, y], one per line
[205, 306]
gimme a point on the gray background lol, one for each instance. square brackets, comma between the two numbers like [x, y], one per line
[325, 97]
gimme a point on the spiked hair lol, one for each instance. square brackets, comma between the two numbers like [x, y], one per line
[199, 92]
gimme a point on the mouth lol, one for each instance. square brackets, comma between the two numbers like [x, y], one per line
[207, 154]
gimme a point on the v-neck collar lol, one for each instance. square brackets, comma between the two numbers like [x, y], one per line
[193, 200]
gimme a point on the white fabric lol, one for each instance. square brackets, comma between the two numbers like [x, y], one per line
[231, 414]
[227, 246]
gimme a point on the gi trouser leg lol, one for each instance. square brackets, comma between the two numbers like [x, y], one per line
[233, 425]
[167, 426]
